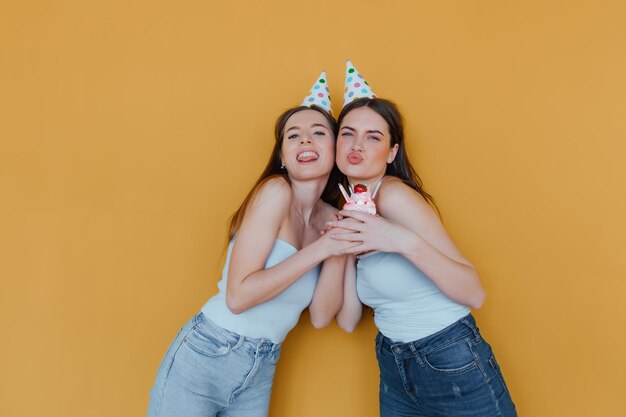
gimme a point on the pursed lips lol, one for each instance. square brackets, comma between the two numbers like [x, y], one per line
[355, 158]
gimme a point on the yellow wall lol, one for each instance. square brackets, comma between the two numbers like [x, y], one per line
[130, 130]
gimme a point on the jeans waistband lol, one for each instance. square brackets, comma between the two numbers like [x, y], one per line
[260, 345]
[457, 330]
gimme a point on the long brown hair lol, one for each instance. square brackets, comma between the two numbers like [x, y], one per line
[274, 169]
[401, 167]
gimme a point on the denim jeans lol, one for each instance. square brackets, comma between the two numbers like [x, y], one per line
[452, 373]
[210, 371]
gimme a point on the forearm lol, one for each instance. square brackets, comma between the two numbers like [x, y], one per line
[458, 281]
[328, 294]
[351, 310]
[265, 284]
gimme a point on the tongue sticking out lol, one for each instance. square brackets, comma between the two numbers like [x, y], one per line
[307, 157]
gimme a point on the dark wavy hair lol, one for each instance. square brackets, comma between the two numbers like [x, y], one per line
[401, 167]
[273, 168]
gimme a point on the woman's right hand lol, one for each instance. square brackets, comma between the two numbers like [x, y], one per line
[335, 247]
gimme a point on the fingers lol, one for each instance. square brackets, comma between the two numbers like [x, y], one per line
[340, 230]
[343, 220]
[357, 249]
[356, 215]
[341, 247]
[348, 224]
[347, 237]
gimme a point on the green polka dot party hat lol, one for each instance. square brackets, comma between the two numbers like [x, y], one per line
[319, 94]
[355, 86]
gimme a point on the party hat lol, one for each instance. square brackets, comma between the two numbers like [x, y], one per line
[356, 86]
[319, 94]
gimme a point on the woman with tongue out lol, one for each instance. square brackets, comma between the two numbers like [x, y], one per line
[222, 361]
[433, 360]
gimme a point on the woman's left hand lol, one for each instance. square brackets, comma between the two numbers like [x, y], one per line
[376, 233]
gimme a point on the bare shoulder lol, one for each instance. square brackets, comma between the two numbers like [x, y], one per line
[263, 217]
[402, 204]
[276, 186]
[275, 192]
[395, 200]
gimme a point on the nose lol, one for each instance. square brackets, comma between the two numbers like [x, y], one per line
[357, 144]
[305, 138]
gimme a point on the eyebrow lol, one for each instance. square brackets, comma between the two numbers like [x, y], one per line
[368, 131]
[313, 125]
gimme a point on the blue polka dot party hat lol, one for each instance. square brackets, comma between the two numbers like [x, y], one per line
[319, 94]
[356, 86]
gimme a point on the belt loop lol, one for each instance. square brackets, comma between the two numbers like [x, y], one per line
[416, 354]
[468, 322]
[239, 342]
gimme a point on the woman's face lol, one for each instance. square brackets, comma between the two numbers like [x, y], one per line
[308, 149]
[364, 146]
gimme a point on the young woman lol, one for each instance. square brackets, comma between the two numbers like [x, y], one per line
[433, 360]
[222, 362]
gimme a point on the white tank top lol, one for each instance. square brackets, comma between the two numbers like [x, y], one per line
[407, 304]
[272, 319]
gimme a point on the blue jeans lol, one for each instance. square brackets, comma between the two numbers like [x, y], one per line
[210, 371]
[452, 373]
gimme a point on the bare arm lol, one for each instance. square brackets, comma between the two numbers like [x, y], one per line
[249, 284]
[328, 294]
[351, 309]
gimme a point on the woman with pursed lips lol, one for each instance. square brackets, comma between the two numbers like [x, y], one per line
[433, 360]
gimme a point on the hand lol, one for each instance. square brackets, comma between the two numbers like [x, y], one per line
[336, 247]
[329, 225]
[375, 233]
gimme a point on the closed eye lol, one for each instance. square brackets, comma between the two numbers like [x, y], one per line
[293, 136]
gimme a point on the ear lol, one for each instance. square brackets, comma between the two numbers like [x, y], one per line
[392, 153]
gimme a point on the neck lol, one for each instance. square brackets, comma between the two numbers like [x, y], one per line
[306, 196]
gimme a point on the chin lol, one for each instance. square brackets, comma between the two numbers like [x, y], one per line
[346, 169]
[354, 172]
[313, 174]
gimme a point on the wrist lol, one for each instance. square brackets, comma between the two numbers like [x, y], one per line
[319, 250]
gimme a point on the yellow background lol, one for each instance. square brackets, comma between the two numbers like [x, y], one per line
[131, 130]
